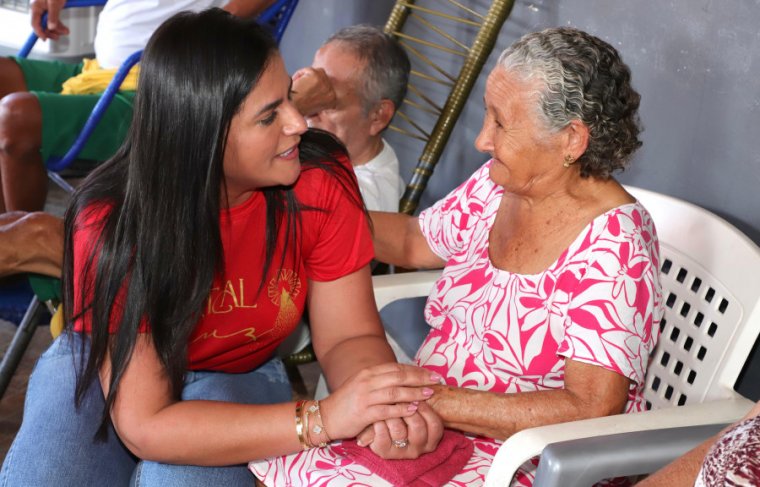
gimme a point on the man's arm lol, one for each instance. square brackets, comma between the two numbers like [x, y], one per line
[312, 91]
[31, 242]
[55, 28]
[247, 8]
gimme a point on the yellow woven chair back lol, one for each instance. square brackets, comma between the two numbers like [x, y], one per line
[448, 44]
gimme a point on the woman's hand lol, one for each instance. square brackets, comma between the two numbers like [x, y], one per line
[375, 394]
[420, 433]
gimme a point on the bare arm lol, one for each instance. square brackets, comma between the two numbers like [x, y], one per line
[399, 241]
[312, 91]
[55, 28]
[590, 391]
[154, 426]
[247, 8]
[31, 242]
[346, 331]
[357, 343]
[683, 471]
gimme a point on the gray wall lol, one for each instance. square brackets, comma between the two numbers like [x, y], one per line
[693, 61]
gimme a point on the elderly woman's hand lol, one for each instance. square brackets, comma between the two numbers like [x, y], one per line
[404, 438]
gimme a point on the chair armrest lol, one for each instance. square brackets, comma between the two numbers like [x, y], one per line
[585, 461]
[526, 444]
[392, 287]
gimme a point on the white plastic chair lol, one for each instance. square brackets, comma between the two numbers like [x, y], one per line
[712, 318]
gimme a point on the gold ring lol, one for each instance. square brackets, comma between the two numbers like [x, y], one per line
[401, 443]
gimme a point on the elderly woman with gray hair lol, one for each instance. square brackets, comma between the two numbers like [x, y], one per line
[549, 302]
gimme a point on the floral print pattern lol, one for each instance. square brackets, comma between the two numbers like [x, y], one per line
[600, 303]
[734, 460]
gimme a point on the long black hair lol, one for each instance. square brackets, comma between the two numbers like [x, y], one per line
[160, 247]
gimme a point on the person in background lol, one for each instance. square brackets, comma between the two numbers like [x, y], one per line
[368, 71]
[732, 457]
[38, 121]
[30, 242]
[332, 92]
[549, 303]
[189, 257]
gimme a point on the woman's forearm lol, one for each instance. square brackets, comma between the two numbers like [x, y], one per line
[352, 355]
[210, 433]
[389, 232]
[501, 415]
[155, 426]
[399, 241]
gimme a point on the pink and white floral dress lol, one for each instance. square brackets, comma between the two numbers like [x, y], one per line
[600, 303]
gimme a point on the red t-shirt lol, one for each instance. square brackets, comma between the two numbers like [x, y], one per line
[239, 329]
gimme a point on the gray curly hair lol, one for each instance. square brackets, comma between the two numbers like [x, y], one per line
[386, 73]
[585, 79]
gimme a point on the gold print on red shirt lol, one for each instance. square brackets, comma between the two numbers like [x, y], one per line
[226, 299]
[282, 290]
[247, 332]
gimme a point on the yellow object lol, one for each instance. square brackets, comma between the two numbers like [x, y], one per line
[56, 322]
[93, 79]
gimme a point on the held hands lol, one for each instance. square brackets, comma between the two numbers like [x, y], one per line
[55, 28]
[404, 438]
[312, 91]
[384, 392]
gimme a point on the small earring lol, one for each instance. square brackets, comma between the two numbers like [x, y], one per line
[568, 160]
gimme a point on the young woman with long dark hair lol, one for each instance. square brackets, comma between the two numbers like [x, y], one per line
[188, 258]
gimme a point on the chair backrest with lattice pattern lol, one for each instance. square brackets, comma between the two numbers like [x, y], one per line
[710, 274]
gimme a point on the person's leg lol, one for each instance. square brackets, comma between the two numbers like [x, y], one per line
[266, 385]
[21, 170]
[54, 445]
[11, 77]
[23, 179]
[31, 242]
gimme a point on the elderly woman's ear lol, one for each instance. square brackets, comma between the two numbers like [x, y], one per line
[576, 141]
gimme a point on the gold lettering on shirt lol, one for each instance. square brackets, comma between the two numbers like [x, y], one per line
[228, 299]
[282, 289]
[247, 332]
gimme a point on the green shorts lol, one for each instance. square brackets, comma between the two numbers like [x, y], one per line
[63, 116]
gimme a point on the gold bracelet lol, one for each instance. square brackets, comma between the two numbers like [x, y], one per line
[306, 438]
[299, 424]
[319, 427]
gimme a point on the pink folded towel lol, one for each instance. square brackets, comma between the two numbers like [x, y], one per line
[432, 469]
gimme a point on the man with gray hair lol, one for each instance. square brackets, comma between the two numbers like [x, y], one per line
[368, 71]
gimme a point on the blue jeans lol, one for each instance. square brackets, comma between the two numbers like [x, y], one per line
[55, 446]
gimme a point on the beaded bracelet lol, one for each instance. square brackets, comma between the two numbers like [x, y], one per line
[319, 426]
